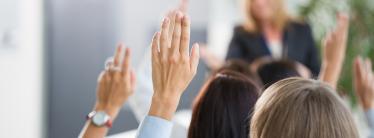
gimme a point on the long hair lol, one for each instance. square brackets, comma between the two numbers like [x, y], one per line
[280, 19]
[301, 108]
[223, 107]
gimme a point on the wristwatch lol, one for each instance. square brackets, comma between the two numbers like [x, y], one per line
[100, 119]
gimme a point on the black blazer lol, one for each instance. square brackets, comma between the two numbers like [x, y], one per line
[298, 45]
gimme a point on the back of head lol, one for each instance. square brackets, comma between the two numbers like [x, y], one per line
[270, 73]
[237, 65]
[222, 108]
[301, 108]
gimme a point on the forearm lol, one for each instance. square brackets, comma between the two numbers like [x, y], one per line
[330, 73]
[92, 131]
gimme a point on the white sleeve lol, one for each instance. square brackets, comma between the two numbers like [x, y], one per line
[141, 100]
[370, 118]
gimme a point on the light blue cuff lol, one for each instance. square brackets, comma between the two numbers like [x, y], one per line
[370, 117]
[154, 127]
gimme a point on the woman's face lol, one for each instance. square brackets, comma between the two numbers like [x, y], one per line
[261, 9]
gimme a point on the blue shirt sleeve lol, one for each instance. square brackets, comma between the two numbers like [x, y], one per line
[370, 117]
[154, 127]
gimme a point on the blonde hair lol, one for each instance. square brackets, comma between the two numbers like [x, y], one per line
[301, 108]
[280, 19]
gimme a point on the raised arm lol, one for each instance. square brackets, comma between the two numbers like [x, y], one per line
[173, 68]
[334, 50]
[115, 85]
[364, 88]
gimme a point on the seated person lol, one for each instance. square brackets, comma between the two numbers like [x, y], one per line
[271, 70]
[301, 108]
[223, 107]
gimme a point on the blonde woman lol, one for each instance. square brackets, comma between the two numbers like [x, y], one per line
[269, 31]
[301, 108]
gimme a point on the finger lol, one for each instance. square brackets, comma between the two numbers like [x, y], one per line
[183, 6]
[368, 65]
[101, 76]
[185, 38]
[357, 79]
[126, 62]
[133, 79]
[164, 44]
[108, 63]
[117, 55]
[368, 71]
[357, 70]
[172, 16]
[175, 43]
[155, 47]
[109, 67]
[343, 20]
[106, 76]
[362, 68]
[342, 25]
[195, 56]
[327, 40]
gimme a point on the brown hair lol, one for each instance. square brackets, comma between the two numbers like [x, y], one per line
[281, 17]
[223, 107]
[301, 108]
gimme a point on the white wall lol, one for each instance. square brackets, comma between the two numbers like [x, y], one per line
[141, 16]
[21, 71]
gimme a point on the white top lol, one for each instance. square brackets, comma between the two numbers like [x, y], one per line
[276, 48]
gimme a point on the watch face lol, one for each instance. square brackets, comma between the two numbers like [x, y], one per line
[100, 118]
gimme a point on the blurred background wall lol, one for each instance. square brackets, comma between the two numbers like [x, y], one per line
[21, 69]
[80, 35]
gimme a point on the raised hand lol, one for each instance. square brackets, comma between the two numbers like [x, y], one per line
[334, 50]
[115, 85]
[173, 67]
[364, 82]
[117, 82]
[183, 6]
[335, 44]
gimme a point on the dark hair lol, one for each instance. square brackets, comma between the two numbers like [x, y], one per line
[237, 65]
[275, 71]
[223, 107]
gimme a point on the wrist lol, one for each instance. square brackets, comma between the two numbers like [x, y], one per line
[112, 111]
[369, 106]
[164, 106]
[330, 73]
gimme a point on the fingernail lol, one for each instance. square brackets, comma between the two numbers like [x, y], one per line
[166, 20]
[179, 15]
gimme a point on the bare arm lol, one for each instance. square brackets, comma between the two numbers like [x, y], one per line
[115, 84]
[173, 67]
[363, 80]
[335, 46]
